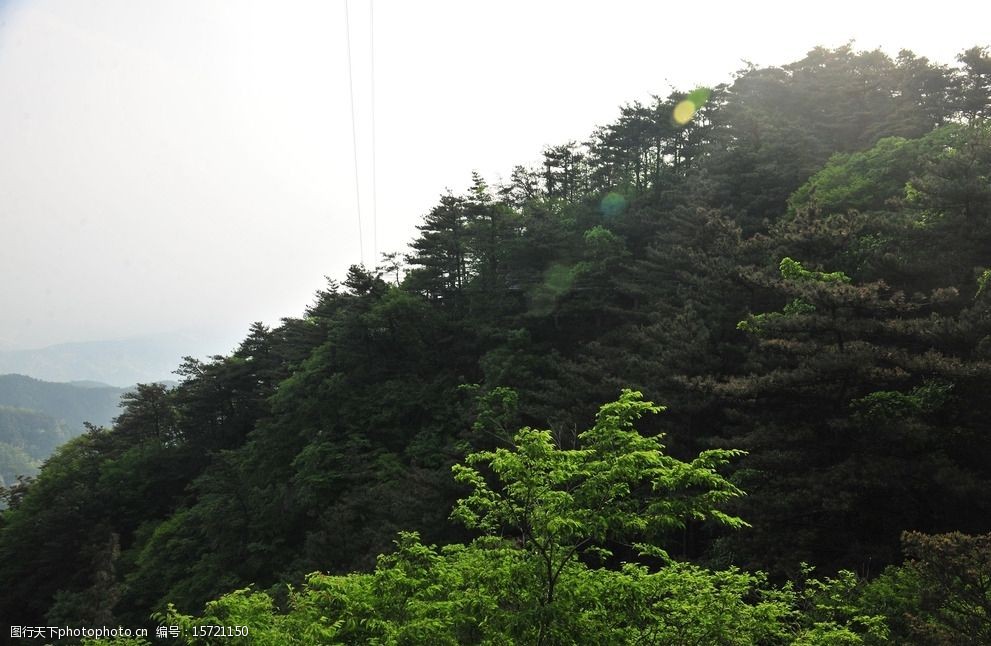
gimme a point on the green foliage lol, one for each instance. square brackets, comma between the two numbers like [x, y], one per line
[864, 181]
[529, 586]
[254, 613]
[561, 503]
[481, 594]
[619, 485]
[755, 323]
[832, 612]
[887, 405]
[982, 281]
[793, 270]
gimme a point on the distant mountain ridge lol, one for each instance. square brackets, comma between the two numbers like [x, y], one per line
[71, 404]
[120, 362]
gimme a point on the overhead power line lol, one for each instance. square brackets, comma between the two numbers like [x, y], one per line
[354, 135]
[354, 130]
[371, 30]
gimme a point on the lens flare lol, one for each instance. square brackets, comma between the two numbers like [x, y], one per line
[612, 204]
[686, 109]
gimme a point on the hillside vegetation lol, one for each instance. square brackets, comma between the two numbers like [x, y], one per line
[37, 416]
[799, 274]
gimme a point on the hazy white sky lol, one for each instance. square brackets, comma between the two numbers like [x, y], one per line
[187, 164]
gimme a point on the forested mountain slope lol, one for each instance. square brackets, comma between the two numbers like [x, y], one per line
[800, 271]
[74, 404]
[26, 438]
[38, 416]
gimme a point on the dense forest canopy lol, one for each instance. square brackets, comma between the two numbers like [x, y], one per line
[799, 273]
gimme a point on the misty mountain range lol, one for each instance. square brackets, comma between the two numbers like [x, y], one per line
[121, 362]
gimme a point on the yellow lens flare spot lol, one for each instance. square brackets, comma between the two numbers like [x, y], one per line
[684, 111]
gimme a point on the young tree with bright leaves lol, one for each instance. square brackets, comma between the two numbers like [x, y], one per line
[618, 485]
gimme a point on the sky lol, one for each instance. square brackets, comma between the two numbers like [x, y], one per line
[189, 164]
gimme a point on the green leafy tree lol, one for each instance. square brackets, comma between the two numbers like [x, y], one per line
[619, 485]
